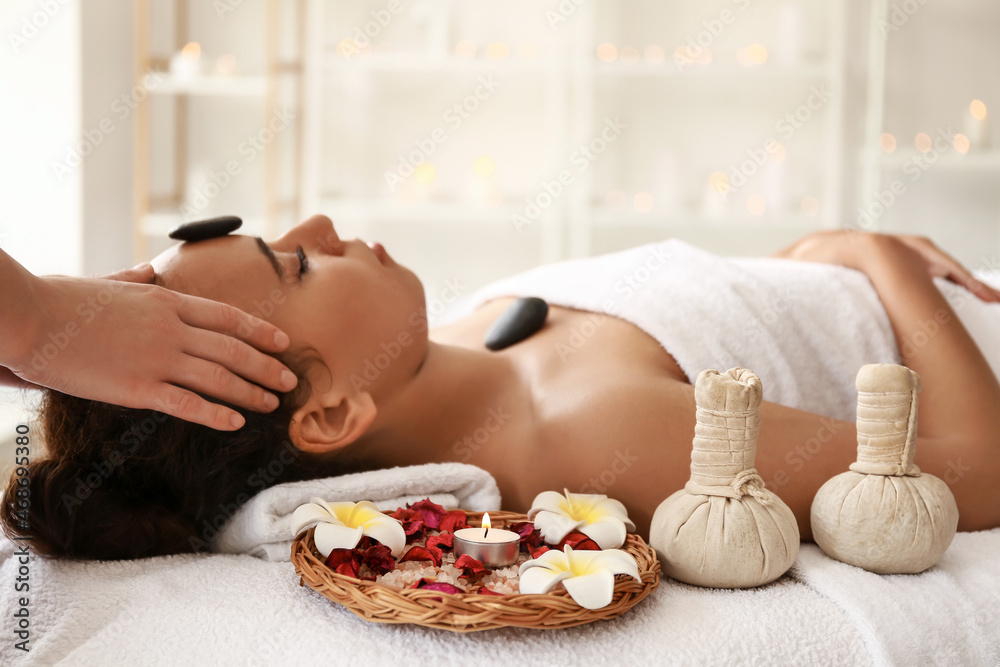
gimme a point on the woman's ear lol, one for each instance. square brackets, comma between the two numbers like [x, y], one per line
[329, 422]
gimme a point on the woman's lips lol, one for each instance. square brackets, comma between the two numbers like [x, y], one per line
[379, 251]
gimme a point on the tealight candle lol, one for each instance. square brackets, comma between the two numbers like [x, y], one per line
[490, 546]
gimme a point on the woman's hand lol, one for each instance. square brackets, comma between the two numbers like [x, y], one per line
[855, 250]
[143, 346]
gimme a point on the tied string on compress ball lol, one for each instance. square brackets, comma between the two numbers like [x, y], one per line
[711, 473]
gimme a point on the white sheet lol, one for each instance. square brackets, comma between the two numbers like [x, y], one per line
[239, 610]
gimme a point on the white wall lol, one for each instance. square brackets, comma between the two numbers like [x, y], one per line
[40, 224]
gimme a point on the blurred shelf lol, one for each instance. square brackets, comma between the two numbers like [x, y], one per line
[984, 160]
[419, 63]
[379, 210]
[220, 86]
[604, 216]
[668, 69]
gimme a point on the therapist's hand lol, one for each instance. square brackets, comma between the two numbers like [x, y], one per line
[118, 340]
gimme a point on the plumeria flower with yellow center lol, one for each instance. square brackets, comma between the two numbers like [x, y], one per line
[342, 525]
[600, 518]
[588, 576]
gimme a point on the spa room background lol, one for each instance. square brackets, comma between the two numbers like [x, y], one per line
[476, 139]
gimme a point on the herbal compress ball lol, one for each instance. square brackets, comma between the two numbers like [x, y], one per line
[885, 515]
[724, 529]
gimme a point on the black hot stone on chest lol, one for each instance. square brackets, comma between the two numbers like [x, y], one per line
[200, 230]
[523, 318]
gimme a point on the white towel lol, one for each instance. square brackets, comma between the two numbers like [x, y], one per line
[212, 609]
[804, 328]
[262, 526]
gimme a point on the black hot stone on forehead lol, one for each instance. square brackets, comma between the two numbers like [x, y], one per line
[200, 230]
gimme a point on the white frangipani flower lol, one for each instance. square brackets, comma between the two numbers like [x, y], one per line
[600, 518]
[341, 525]
[588, 576]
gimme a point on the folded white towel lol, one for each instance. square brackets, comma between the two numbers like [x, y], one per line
[262, 527]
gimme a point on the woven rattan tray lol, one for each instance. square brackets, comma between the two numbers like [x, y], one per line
[470, 612]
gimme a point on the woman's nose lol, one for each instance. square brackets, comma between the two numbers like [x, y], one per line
[316, 232]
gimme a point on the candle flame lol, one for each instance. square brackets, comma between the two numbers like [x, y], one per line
[486, 524]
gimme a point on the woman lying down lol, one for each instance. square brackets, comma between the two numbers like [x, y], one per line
[598, 400]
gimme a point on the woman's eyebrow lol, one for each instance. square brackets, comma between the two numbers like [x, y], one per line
[266, 249]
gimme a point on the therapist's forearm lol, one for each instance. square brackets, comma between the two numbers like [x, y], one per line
[18, 312]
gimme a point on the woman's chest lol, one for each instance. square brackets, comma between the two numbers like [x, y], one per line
[573, 345]
[611, 410]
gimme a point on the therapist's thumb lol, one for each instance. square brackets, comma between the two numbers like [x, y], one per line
[141, 273]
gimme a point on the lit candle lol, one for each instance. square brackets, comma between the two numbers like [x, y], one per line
[491, 546]
[977, 125]
[186, 63]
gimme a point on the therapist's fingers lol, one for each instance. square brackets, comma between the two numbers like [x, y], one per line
[191, 407]
[217, 381]
[221, 317]
[143, 273]
[236, 358]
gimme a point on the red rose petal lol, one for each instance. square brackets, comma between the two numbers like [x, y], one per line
[472, 567]
[539, 551]
[453, 520]
[421, 553]
[444, 541]
[378, 559]
[579, 541]
[344, 561]
[432, 512]
[413, 523]
[530, 537]
[487, 591]
[441, 586]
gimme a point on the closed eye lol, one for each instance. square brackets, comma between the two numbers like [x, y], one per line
[303, 261]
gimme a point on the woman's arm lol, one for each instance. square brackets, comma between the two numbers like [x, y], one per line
[958, 417]
[959, 394]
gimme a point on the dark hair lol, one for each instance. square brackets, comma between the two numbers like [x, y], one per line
[123, 483]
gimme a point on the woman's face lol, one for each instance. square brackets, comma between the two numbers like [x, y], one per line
[363, 313]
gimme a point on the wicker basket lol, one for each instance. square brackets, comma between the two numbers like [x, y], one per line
[470, 612]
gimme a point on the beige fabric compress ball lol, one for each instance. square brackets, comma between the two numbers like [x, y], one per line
[724, 529]
[885, 515]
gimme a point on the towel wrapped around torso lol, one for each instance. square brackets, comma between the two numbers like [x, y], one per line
[804, 328]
